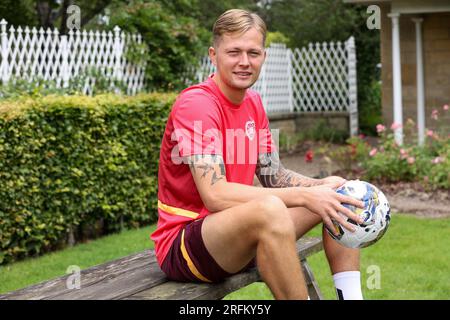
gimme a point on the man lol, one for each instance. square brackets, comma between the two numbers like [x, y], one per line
[212, 221]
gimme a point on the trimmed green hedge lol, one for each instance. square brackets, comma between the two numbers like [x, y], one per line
[70, 163]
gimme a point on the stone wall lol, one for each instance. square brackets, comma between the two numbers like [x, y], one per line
[436, 46]
[293, 123]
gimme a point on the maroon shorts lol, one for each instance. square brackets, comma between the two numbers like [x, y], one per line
[188, 260]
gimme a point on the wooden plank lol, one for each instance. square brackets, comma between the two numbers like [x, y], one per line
[173, 290]
[192, 291]
[311, 284]
[308, 246]
[138, 276]
[120, 286]
[92, 277]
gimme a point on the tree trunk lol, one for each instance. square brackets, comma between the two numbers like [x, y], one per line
[43, 12]
[101, 4]
[47, 16]
[65, 5]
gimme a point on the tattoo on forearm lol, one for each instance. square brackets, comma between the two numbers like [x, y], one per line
[215, 178]
[207, 164]
[272, 174]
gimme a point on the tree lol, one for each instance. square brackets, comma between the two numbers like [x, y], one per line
[304, 21]
[210, 10]
[51, 13]
[18, 12]
[175, 42]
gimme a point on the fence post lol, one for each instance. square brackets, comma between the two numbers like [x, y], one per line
[290, 80]
[117, 54]
[262, 75]
[352, 85]
[4, 67]
[64, 60]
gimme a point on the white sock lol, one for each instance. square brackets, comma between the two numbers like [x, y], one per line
[348, 285]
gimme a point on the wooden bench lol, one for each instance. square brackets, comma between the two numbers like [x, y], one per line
[138, 277]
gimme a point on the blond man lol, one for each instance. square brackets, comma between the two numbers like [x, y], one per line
[212, 221]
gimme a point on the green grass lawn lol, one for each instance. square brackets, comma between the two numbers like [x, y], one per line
[413, 259]
[52, 265]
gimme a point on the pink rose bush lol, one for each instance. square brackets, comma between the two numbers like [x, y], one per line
[384, 160]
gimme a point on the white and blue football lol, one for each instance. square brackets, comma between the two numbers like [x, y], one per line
[376, 215]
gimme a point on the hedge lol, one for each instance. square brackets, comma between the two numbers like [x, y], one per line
[75, 163]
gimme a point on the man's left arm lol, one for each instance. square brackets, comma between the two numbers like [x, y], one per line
[272, 174]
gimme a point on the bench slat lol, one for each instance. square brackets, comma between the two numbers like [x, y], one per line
[138, 276]
[172, 290]
[90, 277]
[192, 291]
[313, 288]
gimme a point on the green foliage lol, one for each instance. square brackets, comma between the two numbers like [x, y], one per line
[320, 131]
[76, 160]
[392, 253]
[18, 12]
[349, 156]
[418, 280]
[324, 131]
[49, 13]
[276, 37]
[369, 111]
[85, 255]
[287, 142]
[174, 41]
[209, 10]
[428, 164]
[305, 21]
[18, 87]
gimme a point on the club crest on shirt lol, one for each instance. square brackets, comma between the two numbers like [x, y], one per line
[250, 129]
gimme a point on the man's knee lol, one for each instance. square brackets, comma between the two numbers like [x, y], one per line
[271, 204]
[275, 216]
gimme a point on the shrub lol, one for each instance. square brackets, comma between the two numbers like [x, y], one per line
[68, 161]
[17, 87]
[369, 107]
[428, 164]
[324, 131]
[321, 131]
[349, 156]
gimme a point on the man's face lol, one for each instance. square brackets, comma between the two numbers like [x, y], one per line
[239, 58]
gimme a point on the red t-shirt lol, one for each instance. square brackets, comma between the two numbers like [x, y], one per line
[204, 121]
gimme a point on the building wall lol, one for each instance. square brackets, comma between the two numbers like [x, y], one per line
[293, 123]
[436, 46]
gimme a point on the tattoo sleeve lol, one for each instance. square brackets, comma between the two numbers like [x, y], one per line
[206, 164]
[272, 174]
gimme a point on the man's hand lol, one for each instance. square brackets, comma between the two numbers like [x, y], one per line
[326, 202]
[333, 179]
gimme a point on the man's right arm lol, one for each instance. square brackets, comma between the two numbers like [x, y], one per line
[218, 194]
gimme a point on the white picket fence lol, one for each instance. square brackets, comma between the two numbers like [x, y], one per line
[33, 54]
[320, 77]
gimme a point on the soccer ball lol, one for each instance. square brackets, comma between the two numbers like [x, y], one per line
[376, 215]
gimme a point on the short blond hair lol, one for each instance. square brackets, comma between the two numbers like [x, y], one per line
[237, 21]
